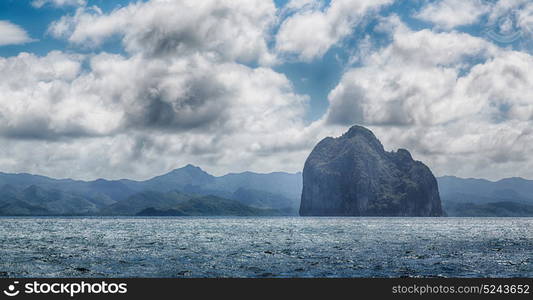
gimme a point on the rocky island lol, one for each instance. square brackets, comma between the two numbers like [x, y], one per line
[353, 175]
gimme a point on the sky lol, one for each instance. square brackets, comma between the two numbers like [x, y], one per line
[132, 89]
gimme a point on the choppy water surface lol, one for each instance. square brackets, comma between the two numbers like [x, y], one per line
[266, 247]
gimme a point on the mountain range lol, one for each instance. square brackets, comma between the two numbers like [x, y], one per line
[192, 191]
[184, 191]
[470, 197]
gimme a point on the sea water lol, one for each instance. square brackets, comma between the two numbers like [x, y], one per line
[265, 247]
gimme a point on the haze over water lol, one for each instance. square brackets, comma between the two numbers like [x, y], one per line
[266, 247]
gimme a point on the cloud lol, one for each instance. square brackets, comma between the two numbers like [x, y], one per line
[458, 102]
[180, 94]
[397, 82]
[502, 21]
[311, 31]
[58, 3]
[193, 93]
[41, 99]
[227, 30]
[448, 14]
[188, 109]
[11, 34]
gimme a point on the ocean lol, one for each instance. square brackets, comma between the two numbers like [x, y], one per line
[265, 247]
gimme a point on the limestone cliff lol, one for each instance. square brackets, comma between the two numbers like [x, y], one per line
[353, 175]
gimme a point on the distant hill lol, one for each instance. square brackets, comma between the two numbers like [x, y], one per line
[483, 191]
[143, 200]
[276, 193]
[35, 200]
[193, 178]
[208, 206]
[480, 197]
[106, 191]
[176, 179]
[492, 209]
[266, 200]
[288, 185]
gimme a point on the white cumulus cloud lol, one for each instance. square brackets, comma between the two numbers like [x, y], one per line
[312, 30]
[11, 34]
[189, 109]
[458, 102]
[229, 30]
[448, 14]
